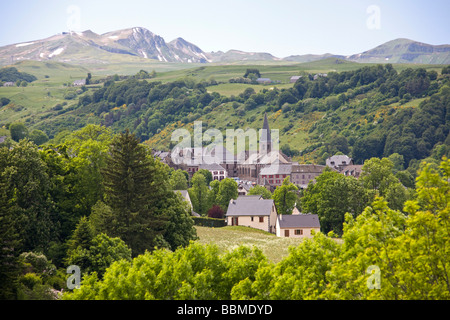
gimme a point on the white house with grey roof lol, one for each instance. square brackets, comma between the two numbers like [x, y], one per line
[297, 225]
[252, 211]
[338, 161]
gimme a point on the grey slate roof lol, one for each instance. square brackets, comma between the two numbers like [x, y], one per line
[299, 221]
[211, 166]
[250, 206]
[276, 169]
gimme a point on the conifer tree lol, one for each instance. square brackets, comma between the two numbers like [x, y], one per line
[130, 191]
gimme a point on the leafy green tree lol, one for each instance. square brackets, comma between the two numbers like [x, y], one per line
[87, 150]
[377, 175]
[300, 275]
[207, 174]
[285, 197]
[18, 131]
[228, 189]
[27, 190]
[332, 196]
[260, 190]
[194, 272]
[178, 180]
[10, 239]
[213, 193]
[101, 252]
[199, 193]
[38, 137]
[408, 250]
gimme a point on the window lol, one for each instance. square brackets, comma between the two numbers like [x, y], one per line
[298, 232]
[271, 181]
[261, 219]
[286, 233]
[271, 176]
[251, 218]
[277, 176]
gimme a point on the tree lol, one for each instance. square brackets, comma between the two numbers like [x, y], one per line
[27, 190]
[207, 174]
[227, 191]
[255, 72]
[131, 191]
[216, 212]
[377, 175]
[99, 255]
[285, 197]
[18, 131]
[178, 180]
[199, 193]
[260, 190]
[11, 242]
[213, 193]
[331, 197]
[38, 137]
[87, 150]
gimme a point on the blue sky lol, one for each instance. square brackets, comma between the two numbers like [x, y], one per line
[280, 27]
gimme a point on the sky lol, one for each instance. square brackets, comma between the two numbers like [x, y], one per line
[280, 27]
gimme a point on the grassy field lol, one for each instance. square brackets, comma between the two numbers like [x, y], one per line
[229, 238]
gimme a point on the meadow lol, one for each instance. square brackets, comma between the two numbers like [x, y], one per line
[231, 237]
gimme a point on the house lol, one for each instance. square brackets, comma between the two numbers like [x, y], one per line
[316, 76]
[190, 159]
[352, 170]
[217, 171]
[264, 80]
[297, 225]
[9, 84]
[275, 173]
[302, 174]
[252, 211]
[338, 161]
[163, 156]
[244, 187]
[79, 83]
[294, 79]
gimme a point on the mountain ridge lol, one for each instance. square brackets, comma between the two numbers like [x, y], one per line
[88, 46]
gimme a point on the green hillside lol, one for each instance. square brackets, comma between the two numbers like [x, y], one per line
[337, 106]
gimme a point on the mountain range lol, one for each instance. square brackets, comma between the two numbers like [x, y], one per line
[90, 47]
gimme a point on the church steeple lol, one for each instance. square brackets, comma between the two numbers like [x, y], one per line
[265, 140]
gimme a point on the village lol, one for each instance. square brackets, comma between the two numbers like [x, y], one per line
[268, 168]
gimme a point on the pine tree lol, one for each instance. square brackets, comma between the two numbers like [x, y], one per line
[132, 193]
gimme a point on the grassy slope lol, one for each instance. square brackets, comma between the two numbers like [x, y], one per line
[229, 238]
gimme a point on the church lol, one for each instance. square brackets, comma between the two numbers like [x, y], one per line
[268, 159]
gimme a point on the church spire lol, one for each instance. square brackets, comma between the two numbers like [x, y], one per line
[265, 140]
[265, 136]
